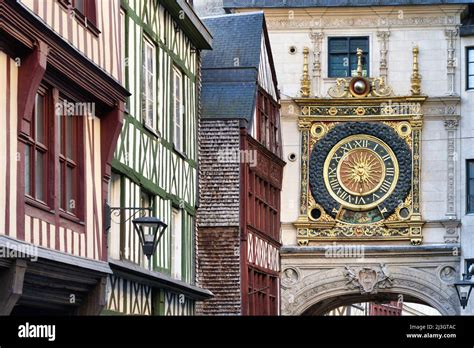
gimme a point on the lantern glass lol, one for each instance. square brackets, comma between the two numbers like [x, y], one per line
[150, 230]
[464, 289]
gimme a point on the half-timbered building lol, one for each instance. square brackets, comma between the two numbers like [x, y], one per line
[155, 163]
[61, 111]
[240, 170]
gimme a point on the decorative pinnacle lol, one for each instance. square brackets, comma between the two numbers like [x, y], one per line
[305, 82]
[359, 62]
[415, 76]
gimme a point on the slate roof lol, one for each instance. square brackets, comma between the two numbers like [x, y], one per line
[230, 4]
[230, 70]
[235, 36]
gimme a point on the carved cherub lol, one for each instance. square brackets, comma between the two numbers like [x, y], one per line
[350, 275]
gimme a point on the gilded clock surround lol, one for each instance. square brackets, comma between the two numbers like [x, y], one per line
[374, 117]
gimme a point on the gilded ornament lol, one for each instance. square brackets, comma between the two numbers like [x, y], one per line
[305, 81]
[415, 76]
[360, 111]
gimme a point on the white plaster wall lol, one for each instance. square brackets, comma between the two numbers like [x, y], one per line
[291, 176]
[466, 151]
[208, 7]
[431, 42]
[434, 170]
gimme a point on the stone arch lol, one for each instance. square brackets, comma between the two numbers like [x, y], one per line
[323, 285]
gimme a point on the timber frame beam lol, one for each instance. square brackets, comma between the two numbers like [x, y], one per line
[12, 280]
[96, 299]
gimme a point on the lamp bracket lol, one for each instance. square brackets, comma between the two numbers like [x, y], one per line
[118, 212]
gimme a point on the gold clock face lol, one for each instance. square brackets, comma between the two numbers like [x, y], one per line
[360, 172]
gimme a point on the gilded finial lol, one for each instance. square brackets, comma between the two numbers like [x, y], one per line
[415, 76]
[359, 62]
[305, 82]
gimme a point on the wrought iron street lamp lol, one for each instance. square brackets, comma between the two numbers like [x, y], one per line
[464, 288]
[150, 230]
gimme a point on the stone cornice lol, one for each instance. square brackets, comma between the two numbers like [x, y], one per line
[375, 250]
[362, 22]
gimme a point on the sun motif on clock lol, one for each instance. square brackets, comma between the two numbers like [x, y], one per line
[361, 171]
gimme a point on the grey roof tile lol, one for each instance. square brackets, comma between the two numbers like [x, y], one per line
[237, 40]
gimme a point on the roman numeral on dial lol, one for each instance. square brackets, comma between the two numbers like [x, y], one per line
[385, 186]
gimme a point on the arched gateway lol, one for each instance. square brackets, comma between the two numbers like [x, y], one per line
[394, 274]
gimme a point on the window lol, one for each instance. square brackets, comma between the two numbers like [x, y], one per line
[147, 201]
[86, 8]
[470, 68]
[68, 127]
[262, 293]
[268, 122]
[37, 151]
[148, 84]
[264, 203]
[79, 5]
[123, 35]
[176, 233]
[342, 56]
[470, 186]
[178, 110]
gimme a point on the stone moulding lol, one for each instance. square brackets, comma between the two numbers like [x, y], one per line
[320, 285]
[394, 20]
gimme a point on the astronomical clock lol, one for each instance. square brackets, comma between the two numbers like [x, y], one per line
[360, 161]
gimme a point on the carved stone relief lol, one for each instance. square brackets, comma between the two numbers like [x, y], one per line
[317, 40]
[383, 37]
[451, 36]
[373, 21]
[451, 124]
[290, 277]
[368, 279]
[428, 285]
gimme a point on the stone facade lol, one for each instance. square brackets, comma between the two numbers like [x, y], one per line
[447, 128]
[465, 151]
[208, 7]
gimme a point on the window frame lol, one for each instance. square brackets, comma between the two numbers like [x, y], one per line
[144, 95]
[69, 162]
[268, 122]
[45, 147]
[89, 10]
[349, 54]
[150, 204]
[78, 148]
[469, 186]
[468, 72]
[177, 73]
[176, 264]
[87, 16]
